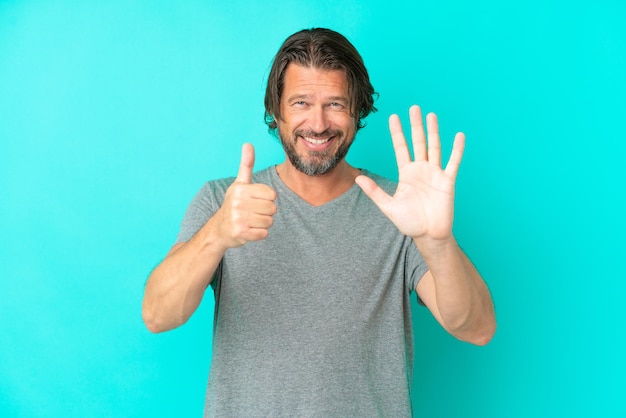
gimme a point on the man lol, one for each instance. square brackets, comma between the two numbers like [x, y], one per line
[313, 261]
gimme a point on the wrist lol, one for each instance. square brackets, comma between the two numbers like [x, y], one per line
[210, 239]
[431, 247]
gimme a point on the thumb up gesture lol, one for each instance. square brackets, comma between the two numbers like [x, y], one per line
[248, 208]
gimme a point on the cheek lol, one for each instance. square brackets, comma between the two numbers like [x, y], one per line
[347, 125]
[292, 123]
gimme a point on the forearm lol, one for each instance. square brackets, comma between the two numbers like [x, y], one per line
[176, 286]
[462, 297]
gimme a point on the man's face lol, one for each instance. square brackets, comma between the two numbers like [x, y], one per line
[316, 127]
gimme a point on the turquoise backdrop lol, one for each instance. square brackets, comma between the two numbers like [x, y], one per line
[113, 114]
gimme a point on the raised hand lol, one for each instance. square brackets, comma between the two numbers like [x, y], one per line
[423, 204]
[248, 208]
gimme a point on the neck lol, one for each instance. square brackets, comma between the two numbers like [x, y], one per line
[318, 190]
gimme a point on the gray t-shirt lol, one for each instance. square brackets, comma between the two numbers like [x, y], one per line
[314, 320]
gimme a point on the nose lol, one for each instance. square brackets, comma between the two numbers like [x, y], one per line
[318, 120]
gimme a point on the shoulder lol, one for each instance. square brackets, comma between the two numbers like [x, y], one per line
[385, 183]
[264, 176]
[216, 189]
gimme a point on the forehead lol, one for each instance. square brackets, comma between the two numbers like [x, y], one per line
[308, 80]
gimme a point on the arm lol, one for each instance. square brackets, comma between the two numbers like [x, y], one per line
[457, 296]
[423, 208]
[176, 286]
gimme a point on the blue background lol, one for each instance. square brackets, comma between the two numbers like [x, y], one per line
[113, 114]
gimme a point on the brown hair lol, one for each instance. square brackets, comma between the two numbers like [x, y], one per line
[324, 49]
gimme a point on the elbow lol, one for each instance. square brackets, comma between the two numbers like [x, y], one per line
[153, 327]
[153, 321]
[483, 336]
[150, 322]
[481, 330]
[479, 334]
[481, 340]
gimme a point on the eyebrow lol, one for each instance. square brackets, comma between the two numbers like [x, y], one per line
[298, 96]
[342, 99]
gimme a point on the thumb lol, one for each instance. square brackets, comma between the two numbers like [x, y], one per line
[374, 192]
[246, 165]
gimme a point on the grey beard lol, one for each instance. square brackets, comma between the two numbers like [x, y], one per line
[319, 162]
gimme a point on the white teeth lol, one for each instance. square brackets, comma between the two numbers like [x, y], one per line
[316, 141]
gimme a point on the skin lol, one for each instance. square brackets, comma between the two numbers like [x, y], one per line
[423, 208]
[315, 105]
[316, 124]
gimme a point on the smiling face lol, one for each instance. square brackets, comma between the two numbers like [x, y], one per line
[316, 126]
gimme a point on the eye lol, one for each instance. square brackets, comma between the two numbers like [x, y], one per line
[336, 105]
[299, 103]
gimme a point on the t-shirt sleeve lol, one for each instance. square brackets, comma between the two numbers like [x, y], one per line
[415, 267]
[202, 207]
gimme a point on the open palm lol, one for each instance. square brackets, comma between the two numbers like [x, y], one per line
[423, 204]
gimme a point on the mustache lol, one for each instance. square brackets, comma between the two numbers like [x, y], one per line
[319, 135]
